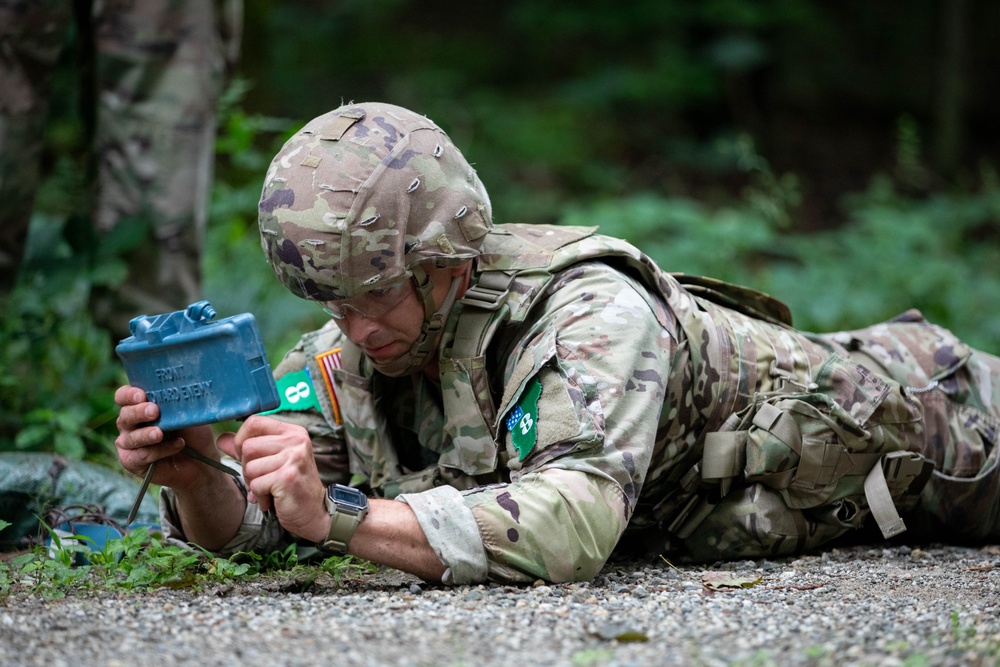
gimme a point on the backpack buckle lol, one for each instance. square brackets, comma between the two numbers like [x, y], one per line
[489, 292]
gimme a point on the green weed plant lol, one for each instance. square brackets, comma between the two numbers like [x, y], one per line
[141, 560]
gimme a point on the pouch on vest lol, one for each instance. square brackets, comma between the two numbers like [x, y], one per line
[850, 435]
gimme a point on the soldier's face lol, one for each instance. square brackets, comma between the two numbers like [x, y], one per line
[390, 335]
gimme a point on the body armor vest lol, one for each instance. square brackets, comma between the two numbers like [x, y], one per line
[742, 355]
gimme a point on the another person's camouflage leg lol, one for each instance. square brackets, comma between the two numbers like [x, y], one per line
[161, 68]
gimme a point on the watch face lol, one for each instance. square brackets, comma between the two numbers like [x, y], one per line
[345, 495]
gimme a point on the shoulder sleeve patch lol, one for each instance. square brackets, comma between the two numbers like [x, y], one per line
[522, 422]
[296, 392]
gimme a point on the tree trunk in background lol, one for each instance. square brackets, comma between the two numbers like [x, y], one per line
[950, 135]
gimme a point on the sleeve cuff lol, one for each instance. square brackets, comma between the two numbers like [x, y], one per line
[452, 532]
[258, 531]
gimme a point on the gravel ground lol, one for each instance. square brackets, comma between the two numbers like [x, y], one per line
[852, 606]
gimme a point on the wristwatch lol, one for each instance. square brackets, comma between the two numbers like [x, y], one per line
[347, 507]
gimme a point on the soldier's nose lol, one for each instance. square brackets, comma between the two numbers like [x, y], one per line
[357, 326]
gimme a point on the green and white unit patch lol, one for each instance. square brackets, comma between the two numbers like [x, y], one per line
[297, 392]
[522, 422]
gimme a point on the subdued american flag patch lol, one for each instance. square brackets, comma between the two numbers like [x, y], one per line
[328, 361]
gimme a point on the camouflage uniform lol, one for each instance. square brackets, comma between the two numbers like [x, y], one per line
[159, 68]
[589, 401]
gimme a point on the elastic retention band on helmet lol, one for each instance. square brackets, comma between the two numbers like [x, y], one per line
[413, 360]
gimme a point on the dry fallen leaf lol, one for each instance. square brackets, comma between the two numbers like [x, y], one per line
[718, 581]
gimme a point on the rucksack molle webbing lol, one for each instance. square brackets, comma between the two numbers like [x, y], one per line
[847, 438]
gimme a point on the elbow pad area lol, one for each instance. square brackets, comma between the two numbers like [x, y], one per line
[557, 525]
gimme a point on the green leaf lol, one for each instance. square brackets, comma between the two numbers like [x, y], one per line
[70, 445]
[32, 437]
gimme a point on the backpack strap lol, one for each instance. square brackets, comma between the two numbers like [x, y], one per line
[484, 307]
[465, 378]
[898, 467]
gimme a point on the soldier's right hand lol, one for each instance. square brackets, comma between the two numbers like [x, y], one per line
[139, 444]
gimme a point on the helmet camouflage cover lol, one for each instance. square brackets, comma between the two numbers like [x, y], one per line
[363, 193]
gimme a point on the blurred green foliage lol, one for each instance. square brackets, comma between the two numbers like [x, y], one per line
[57, 371]
[792, 146]
[939, 254]
[237, 277]
[57, 378]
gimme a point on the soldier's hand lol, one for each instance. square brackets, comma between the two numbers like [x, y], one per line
[332, 460]
[280, 473]
[139, 444]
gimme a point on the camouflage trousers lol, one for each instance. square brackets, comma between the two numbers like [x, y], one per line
[154, 72]
[958, 388]
[955, 500]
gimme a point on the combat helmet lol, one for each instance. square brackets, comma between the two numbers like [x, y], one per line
[365, 196]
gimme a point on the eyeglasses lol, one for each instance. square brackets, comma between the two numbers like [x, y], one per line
[373, 303]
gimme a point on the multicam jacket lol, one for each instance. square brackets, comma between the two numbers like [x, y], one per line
[589, 401]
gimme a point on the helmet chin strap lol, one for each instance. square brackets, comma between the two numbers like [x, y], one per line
[414, 359]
